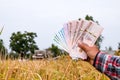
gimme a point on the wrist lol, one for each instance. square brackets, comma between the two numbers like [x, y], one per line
[95, 58]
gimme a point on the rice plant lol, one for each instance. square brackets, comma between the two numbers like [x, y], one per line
[61, 69]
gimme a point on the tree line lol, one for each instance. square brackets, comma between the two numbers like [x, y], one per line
[23, 45]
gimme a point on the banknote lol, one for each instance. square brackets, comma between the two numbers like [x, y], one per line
[77, 30]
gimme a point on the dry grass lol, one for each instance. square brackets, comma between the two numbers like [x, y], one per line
[62, 69]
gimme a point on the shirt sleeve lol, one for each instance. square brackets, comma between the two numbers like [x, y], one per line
[108, 64]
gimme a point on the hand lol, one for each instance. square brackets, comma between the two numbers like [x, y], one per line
[90, 51]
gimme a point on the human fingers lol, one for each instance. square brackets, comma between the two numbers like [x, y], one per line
[83, 46]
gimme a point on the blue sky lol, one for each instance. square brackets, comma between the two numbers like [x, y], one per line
[45, 17]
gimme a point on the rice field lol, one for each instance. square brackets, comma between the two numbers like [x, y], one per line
[61, 69]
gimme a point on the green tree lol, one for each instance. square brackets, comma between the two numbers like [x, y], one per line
[23, 43]
[13, 55]
[55, 50]
[89, 18]
[110, 48]
[100, 38]
[3, 50]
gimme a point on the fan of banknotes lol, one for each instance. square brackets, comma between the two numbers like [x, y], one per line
[77, 31]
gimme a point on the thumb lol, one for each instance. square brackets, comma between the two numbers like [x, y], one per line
[83, 46]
